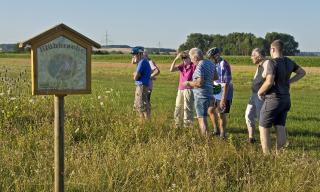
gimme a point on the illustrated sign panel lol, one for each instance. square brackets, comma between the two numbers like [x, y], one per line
[61, 65]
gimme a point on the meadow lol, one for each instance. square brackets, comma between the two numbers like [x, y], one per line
[306, 61]
[107, 149]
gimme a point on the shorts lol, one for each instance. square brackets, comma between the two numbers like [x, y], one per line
[274, 112]
[226, 109]
[201, 105]
[141, 101]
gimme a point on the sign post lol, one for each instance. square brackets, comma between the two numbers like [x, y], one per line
[59, 142]
[61, 65]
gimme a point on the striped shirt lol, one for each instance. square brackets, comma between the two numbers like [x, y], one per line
[224, 77]
[204, 69]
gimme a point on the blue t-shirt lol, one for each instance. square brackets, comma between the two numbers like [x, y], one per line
[224, 76]
[204, 69]
[144, 69]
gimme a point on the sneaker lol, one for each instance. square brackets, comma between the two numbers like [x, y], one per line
[216, 133]
[252, 140]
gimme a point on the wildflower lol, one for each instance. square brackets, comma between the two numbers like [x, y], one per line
[99, 97]
[2, 94]
[156, 177]
[101, 103]
[31, 101]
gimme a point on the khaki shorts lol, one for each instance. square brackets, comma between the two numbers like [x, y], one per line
[141, 101]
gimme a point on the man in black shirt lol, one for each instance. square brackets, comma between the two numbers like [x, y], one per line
[275, 92]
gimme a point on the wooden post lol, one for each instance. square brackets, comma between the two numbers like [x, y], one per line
[59, 143]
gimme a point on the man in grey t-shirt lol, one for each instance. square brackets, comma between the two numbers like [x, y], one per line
[202, 83]
[264, 68]
[275, 91]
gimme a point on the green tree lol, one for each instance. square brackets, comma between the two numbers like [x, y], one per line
[239, 43]
[202, 41]
[260, 43]
[290, 45]
[218, 41]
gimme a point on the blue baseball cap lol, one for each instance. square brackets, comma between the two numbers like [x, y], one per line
[136, 50]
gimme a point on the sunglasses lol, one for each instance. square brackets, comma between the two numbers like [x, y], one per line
[184, 58]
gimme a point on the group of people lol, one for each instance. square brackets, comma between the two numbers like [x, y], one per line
[207, 83]
[206, 86]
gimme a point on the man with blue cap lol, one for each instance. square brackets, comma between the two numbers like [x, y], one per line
[142, 81]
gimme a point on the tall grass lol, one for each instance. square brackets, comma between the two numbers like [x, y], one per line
[106, 149]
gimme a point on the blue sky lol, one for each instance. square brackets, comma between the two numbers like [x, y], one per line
[168, 22]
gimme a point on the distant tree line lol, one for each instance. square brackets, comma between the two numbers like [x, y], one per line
[13, 48]
[239, 43]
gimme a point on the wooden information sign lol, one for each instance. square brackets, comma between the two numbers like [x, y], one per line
[61, 65]
[61, 62]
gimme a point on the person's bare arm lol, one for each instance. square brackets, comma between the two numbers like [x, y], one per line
[155, 72]
[299, 74]
[266, 85]
[196, 83]
[225, 91]
[224, 95]
[173, 66]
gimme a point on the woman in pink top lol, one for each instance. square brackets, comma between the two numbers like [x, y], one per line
[184, 100]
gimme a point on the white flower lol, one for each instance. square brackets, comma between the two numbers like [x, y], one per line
[2, 94]
[101, 103]
[111, 90]
[31, 101]
[99, 97]
[156, 177]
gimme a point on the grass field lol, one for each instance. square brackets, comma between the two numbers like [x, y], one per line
[306, 61]
[106, 149]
